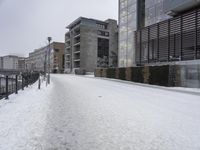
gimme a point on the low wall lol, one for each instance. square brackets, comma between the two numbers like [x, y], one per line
[165, 75]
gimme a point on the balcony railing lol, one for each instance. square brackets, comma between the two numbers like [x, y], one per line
[175, 39]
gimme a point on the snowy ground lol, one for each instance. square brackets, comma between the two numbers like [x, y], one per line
[84, 113]
[23, 118]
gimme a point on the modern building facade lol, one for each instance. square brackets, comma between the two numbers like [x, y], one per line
[91, 43]
[129, 17]
[155, 11]
[144, 16]
[168, 36]
[175, 39]
[38, 60]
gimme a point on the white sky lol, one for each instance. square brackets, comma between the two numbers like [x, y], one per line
[25, 24]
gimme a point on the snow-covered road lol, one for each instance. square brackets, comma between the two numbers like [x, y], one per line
[82, 113]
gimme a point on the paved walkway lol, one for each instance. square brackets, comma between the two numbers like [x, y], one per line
[95, 114]
[83, 113]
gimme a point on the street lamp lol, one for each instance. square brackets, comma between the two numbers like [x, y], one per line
[49, 40]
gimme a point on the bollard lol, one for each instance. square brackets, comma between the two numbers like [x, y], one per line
[16, 84]
[6, 87]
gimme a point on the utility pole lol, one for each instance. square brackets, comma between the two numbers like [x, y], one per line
[49, 52]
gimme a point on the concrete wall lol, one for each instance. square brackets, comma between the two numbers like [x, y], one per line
[113, 42]
[88, 48]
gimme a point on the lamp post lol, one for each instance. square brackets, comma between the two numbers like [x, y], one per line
[45, 64]
[49, 40]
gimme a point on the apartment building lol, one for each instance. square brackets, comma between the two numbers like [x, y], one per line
[38, 59]
[91, 43]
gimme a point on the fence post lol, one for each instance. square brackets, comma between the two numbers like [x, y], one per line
[0, 85]
[39, 82]
[12, 85]
[16, 84]
[6, 87]
[27, 80]
[22, 82]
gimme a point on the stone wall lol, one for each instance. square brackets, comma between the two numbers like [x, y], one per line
[166, 75]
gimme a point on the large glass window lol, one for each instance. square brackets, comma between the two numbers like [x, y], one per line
[128, 24]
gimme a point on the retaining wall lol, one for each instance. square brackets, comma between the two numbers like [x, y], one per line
[165, 75]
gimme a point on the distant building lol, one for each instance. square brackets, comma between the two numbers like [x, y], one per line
[10, 62]
[38, 60]
[91, 43]
[1, 62]
[21, 63]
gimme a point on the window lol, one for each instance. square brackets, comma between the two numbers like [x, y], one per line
[103, 33]
[101, 26]
[56, 50]
[103, 52]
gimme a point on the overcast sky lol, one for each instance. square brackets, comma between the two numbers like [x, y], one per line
[25, 24]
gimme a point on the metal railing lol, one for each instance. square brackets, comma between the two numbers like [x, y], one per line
[12, 83]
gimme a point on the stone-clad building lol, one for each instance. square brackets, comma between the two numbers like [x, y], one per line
[91, 43]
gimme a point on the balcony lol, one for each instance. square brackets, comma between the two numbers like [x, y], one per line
[77, 40]
[77, 36]
[67, 58]
[77, 52]
[77, 31]
[76, 56]
[77, 60]
[68, 62]
[76, 64]
[67, 40]
[77, 43]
